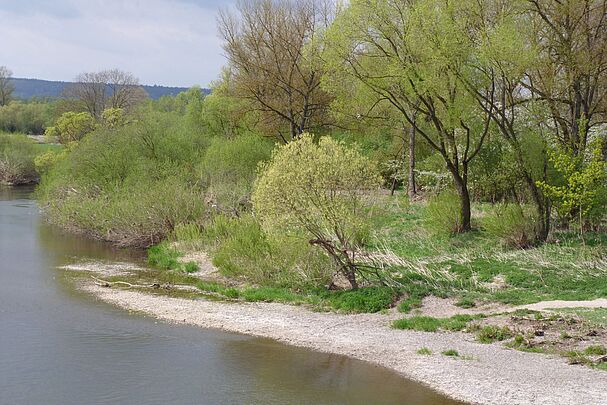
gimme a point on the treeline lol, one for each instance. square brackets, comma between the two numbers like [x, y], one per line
[457, 103]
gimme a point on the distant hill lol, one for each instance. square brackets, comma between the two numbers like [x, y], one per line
[29, 88]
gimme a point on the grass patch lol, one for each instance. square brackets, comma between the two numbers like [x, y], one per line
[167, 257]
[491, 333]
[450, 353]
[424, 351]
[595, 350]
[430, 324]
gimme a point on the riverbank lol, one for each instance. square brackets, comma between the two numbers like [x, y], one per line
[482, 373]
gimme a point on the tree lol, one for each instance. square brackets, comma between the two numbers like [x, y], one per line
[271, 46]
[318, 189]
[497, 30]
[6, 85]
[571, 80]
[94, 92]
[410, 53]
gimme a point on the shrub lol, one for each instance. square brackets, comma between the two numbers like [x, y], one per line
[71, 127]
[318, 190]
[442, 215]
[228, 170]
[17, 155]
[583, 192]
[131, 185]
[243, 249]
[511, 225]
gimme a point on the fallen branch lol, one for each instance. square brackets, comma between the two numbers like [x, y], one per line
[108, 284]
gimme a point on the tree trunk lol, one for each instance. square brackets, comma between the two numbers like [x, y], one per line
[465, 211]
[411, 186]
[350, 274]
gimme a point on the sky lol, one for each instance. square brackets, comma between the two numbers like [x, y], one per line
[164, 42]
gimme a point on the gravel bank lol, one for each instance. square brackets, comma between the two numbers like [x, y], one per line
[494, 375]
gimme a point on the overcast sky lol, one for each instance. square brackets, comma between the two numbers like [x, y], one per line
[165, 42]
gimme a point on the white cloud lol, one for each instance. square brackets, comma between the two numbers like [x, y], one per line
[160, 41]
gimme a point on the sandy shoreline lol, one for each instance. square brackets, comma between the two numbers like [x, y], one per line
[494, 375]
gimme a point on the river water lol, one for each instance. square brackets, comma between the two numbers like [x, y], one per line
[61, 346]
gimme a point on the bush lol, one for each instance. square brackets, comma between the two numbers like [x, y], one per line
[509, 223]
[228, 170]
[131, 185]
[243, 249]
[17, 155]
[442, 215]
[71, 127]
[318, 190]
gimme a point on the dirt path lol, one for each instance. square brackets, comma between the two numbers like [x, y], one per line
[493, 375]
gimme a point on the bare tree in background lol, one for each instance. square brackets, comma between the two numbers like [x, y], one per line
[270, 46]
[6, 85]
[98, 91]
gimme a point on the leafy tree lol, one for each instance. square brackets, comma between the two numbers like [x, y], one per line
[71, 127]
[411, 54]
[318, 189]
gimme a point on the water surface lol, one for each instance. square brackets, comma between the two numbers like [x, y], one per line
[61, 346]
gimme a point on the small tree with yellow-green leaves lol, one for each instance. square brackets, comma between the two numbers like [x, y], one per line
[319, 189]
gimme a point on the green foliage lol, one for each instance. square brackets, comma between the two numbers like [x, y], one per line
[369, 299]
[510, 224]
[17, 155]
[319, 190]
[166, 257]
[430, 324]
[242, 249]
[450, 353]
[442, 216]
[71, 127]
[595, 350]
[30, 118]
[424, 351]
[492, 333]
[583, 193]
[228, 170]
[130, 185]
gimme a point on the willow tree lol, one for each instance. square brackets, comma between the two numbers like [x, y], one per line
[271, 51]
[411, 54]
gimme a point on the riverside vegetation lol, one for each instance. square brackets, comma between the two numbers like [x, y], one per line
[456, 172]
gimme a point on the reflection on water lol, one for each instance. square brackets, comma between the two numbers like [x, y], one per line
[59, 346]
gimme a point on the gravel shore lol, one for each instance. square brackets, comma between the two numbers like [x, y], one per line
[490, 374]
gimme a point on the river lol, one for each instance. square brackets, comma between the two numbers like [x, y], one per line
[61, 346]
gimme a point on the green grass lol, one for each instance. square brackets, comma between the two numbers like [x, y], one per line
[430, 324]
[451, 353]
[475, 267]
[359, 301]
[491, 333]
[595, 350]
[167, 257]
[424, 351]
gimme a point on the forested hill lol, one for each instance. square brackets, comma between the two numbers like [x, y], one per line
[29, 88]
